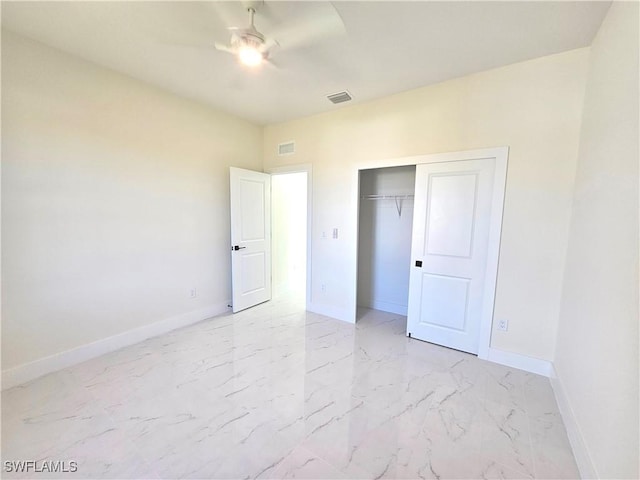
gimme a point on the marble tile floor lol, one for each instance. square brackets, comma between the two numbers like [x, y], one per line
[277, 392]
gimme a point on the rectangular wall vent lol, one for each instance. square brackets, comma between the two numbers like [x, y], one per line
[287, 148]
[339, 97]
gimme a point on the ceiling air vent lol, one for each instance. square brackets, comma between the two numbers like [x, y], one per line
[339, 97]
[287, 148]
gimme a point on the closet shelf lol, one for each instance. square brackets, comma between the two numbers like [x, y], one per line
[397, 198]
[386, 197]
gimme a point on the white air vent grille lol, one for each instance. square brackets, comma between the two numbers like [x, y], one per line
[339, 97]
[287, 148]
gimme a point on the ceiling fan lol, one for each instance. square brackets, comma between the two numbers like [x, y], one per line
[248, 44]
[306, 23]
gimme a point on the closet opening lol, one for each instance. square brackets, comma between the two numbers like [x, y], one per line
[385, 226]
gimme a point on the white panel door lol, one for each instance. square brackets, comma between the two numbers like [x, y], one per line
[250, 238]
[451, 226]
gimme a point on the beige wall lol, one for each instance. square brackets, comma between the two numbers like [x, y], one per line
[533, 107]
[597, 348]
[115, 201]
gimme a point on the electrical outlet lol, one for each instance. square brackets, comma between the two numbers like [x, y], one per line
[323, 288]
[335, 233]
[193, 293]
[503, 325]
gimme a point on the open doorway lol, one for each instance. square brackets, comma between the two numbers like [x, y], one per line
[289, 209]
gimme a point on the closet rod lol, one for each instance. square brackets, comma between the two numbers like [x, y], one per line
[386, 197]
[397, 198]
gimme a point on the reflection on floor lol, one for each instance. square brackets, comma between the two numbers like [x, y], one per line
[275, 392]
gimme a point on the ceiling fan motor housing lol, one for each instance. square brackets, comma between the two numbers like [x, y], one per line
[249, 37]
[249, 40]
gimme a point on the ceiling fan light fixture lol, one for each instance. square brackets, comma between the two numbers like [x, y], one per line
[250, 56]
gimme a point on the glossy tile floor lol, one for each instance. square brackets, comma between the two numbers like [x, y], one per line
[275, 392]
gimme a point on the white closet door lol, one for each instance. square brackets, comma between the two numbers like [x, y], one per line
[451, 226]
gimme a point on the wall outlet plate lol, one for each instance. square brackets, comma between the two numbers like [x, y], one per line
[503, 325]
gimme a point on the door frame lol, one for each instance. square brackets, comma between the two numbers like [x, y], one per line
[306, 168]
[501, 155]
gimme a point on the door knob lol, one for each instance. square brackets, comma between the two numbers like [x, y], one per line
[237, 247]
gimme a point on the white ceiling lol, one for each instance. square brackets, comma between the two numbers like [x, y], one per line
[385, 48]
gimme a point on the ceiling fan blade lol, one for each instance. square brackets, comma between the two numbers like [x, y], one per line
[230, 13]
[269, 46]
[224, 48]
[180, 23]
[271, 64]
[320, 21]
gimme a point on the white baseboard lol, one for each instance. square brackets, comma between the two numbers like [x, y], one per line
[387, 307]
[522, 362]
[576, 439]
[343, 314]
[32, 370]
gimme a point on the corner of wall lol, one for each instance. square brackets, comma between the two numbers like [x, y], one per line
[337, 313]
[576, 439]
